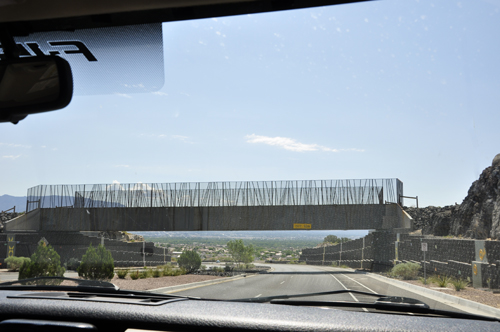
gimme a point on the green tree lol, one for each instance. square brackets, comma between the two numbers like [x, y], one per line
[331, 239]
[14, 263]
[240, 252]
[45, 262]
[97, 264]
[335, 240]
[189, 260]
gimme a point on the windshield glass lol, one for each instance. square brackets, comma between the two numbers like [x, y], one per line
[281, 153]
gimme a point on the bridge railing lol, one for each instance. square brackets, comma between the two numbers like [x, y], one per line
[248, 193]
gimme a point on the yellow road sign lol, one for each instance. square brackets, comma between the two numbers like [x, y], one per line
[302, 226]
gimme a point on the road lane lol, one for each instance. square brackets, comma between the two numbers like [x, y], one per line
[288, 279]
[285, 279]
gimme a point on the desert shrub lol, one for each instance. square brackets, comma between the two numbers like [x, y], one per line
[220, 269]
[122, 274]
[97, 264]
[45, 262]
[167, 270]
[157, 273]
[407, 271]
[459, 284]
[14, 263]
[134, 275]
[189, 260]
[143, 274]
[424, 281]
[441, 281]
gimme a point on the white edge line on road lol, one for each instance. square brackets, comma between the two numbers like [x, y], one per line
[410, 313]
[355, 299]
[281, 283]
[258, 295]
[374, 292]
[447, 299]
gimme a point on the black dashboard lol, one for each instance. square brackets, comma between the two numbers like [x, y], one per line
[118, 314]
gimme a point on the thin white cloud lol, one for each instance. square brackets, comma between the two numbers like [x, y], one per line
[123, 95]
[159, 93]
[141, 186]
[124, 166]
[181, 138]
[12, 157]
[12, 145]
[140, 85]
[153, 135]
[115, 186]
[292, 144]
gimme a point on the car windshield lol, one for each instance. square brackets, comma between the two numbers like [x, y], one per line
[280, 153]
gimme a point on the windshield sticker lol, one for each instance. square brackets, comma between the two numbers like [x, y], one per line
[118, 60]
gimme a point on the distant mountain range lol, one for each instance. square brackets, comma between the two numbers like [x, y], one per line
[8, 202]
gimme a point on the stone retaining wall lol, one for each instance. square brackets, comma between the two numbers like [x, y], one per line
[380, 251]
[74, 245]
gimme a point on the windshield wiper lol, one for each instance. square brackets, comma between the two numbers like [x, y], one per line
[385, 303]
[281, 297]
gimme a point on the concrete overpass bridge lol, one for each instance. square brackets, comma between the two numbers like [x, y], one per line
[216, 206]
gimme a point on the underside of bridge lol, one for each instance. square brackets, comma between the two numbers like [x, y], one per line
[224, 206]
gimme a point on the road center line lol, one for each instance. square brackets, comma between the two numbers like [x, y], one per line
[258, 295]
[281, 283]
[359, 283]
[355, 299]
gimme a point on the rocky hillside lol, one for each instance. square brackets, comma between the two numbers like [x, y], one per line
[478, 216]
[432, 220]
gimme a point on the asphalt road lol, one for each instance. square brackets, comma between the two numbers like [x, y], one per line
[296, 279]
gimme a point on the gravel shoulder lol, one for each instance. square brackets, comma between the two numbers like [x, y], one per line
[477, 295]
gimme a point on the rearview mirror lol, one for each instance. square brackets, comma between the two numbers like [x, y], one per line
[33, 85]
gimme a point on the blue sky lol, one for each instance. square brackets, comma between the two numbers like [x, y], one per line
[389, 89]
